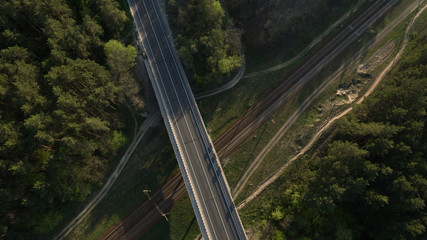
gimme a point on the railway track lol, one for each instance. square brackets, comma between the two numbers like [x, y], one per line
[171, 192]
[245, 127]
[146, 215]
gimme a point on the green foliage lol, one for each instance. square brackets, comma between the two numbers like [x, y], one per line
[58, 120]
[65, 36]
[208, 46]
[228, 64]
[343, 233]
[121, 59]
[118, 140]
[279, 235]
[126, 55]
[112, 17]
[198, 80]
[274, 30]
[370, 181]
[278, 213]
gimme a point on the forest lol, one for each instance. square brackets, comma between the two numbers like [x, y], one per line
[271, 28]
[65, 81]
[209, 46]
[369, 181]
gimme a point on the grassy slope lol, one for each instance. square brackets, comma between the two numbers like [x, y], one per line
[249, 217]
[311, 119]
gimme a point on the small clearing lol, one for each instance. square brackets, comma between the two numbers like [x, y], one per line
[349, 92]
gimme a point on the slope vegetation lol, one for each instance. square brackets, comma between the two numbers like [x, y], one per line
[369, 182]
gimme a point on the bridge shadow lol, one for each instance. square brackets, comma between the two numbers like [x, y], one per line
[193, 220]
[145, 221]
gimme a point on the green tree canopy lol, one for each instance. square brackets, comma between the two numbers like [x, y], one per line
[208, 47]
[59, 97]
[121, 59]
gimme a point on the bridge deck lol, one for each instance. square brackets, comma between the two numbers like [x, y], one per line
[202, 172]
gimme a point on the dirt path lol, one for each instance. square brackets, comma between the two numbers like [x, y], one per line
[276, 138]
[332, 120]
[396, 58]
[226, 86]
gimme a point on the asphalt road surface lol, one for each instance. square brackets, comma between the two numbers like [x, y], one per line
[203, 176]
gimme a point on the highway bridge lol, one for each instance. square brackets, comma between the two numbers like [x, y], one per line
[202, 173]
[146, 215]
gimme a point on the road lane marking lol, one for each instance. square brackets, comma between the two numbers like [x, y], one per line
[179, 131]
[198, 154]
[201, 132]
[185, 119]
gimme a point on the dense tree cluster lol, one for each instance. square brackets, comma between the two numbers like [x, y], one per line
[371, 181]
[208, 46]
[270, 26]
[61, 86]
